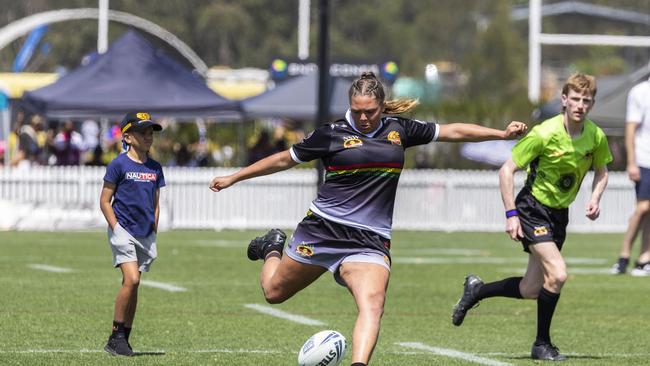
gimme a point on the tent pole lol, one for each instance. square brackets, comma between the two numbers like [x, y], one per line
[323, 76]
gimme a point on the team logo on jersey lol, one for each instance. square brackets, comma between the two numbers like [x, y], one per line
[141, 176]
[393, 137]
[589, 155]
[305, 250]
[566, 181]
[352, 141]
[540, 230]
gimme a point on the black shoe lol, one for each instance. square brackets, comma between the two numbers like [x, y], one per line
[546, 351]
[468, 300]
[118, 346]
[620, 266]
[261, 246]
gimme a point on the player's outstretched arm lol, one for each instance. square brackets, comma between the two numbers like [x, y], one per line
[269, 165]
[601, 175]
[468, 132]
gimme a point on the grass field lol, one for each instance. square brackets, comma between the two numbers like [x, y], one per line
[65, 317]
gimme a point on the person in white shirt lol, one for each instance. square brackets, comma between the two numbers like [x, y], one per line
[637, 144]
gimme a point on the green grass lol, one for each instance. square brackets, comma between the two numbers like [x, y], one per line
[600, 320]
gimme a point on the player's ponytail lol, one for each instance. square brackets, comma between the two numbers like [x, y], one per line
[368, 84]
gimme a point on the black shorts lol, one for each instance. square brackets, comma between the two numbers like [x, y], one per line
[540, 223]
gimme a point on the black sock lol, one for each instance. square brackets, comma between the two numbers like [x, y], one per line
[508, 287]
[118, 327]
[127, 333]
[546, 303]
[358, 364]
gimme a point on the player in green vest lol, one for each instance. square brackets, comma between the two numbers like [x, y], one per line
[558, 153]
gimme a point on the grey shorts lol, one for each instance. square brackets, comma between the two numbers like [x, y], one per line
[327, 244]
[127, 248]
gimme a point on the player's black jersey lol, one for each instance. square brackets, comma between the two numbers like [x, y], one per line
[362, 171]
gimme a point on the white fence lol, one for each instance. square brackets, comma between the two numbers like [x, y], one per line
[60, 198]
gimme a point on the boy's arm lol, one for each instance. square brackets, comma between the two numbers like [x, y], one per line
[105, 204]
[598, 187]
[507, 188]
[156, 210]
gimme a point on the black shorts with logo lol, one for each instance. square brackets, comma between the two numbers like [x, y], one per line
[540, 223]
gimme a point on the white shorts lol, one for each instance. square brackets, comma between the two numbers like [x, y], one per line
[127, 248]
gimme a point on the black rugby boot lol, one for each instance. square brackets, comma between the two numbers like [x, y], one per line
[546, 351]
[261, 246]
[468, 300]
[118, 346]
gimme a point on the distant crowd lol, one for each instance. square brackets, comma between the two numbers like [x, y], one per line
[35, 141]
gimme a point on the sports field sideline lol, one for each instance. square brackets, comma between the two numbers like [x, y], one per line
[201, 304]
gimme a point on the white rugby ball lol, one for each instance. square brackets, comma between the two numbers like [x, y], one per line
[323, 348]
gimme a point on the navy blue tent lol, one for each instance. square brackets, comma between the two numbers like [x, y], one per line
[131, 75]
[298, 98]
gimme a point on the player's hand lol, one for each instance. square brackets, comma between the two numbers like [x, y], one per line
[633, 172]
[219, 183]
[513, 228]
[593, 210]
[515, 129]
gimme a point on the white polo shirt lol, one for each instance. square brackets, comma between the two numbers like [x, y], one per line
[638, 111]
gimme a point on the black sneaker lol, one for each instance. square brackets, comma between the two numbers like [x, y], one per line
[468, 300]
[620, 267]
[546, 351]
[118, 346]
[261, 246]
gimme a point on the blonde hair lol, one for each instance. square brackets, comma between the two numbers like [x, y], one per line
[368, 84]
[580, 83]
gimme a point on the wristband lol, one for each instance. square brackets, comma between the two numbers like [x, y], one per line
[511, 213]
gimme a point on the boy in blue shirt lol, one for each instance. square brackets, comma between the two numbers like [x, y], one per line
[129, 202]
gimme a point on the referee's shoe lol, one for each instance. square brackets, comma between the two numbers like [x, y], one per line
[468, 300]
[546, 351]
[261, 246]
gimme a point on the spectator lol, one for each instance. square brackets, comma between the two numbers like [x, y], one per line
[264, 147]
[637, 143]
[31, 141]
[68, 144]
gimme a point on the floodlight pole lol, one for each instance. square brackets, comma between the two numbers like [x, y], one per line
[323, 76]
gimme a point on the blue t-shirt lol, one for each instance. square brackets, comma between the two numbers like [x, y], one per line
[135, 192]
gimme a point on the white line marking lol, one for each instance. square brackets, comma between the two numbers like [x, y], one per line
[571, 270]
[45, 267]
[219, 243]
[163, 286]
[283, 314]
[486, 260]
[234, 351]
[445, 251]
[453, 354]
[474, 260]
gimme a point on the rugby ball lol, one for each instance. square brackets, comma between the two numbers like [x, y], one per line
[325, 348]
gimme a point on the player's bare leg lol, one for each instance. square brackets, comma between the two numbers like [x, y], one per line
[368, 283]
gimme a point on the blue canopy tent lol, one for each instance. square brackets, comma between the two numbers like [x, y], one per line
[132, 75]
[297, 98]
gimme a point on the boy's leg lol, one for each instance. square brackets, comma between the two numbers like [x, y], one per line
[635, 223]
[367, 282]
[124, 310]
[554, 268]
